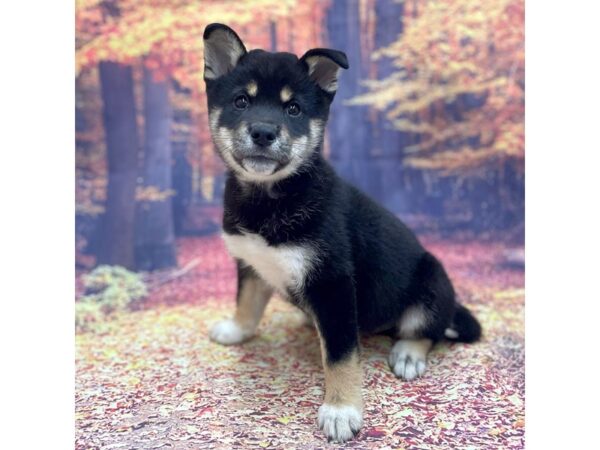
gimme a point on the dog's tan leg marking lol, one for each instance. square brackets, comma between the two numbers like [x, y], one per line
[408, 358]
[252, 300]
[307, 320]
[340, 415]
[343, 382]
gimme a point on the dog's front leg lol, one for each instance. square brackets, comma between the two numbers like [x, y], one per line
[334, 307]
[252, 297]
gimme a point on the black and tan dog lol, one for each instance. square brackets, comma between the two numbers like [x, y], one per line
[296, 228]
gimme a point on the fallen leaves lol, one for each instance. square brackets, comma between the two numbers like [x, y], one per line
[152, 379]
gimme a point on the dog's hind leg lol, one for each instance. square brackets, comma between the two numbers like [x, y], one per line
[425, 321]
[408, 358]
[252, 298]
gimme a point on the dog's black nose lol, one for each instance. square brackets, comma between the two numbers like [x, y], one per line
[263, 134]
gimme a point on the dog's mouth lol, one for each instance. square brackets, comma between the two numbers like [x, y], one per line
[260, 164]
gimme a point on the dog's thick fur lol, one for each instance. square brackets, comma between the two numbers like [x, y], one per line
[295, 227]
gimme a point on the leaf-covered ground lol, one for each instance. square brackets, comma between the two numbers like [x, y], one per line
[152, 379]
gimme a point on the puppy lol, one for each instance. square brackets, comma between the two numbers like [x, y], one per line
[295, 227]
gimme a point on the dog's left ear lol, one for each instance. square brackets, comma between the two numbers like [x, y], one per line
[222, 50]
[323, 67]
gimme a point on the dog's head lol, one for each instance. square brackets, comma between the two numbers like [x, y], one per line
[267, 111]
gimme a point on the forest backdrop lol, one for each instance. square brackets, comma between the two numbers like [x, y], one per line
[428, 119]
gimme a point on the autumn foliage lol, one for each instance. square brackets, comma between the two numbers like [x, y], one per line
[166, 36]
[428, 120]
[452, 53]
[168, 33]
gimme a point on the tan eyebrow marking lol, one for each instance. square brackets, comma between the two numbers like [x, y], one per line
[252, 88]
[286, 94]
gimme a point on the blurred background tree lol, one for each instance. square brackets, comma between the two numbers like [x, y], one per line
[149, 45]
[458, 86]
[448, 51]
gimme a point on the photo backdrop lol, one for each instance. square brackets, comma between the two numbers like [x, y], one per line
[428, 120]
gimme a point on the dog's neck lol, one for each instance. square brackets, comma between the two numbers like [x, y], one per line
[280, 210]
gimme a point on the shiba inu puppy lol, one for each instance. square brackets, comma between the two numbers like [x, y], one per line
[295, 227]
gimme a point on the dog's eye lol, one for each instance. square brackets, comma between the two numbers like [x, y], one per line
[241, 102]
[293, 109]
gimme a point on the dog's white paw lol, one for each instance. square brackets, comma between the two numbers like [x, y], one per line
[408, 359]
[228, 332]
[339, 423]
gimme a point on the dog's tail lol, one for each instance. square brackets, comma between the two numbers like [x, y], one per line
[465, 327]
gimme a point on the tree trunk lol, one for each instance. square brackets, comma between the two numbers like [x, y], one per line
[349, 129]
[273, 35]
[388, 141]
[155, 239]
[117, 229]
[182, 184]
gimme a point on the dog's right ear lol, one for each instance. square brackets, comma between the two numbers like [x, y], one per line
[323, 66]
[222, 50]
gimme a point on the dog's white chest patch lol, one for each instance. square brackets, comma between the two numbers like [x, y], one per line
[282, 266]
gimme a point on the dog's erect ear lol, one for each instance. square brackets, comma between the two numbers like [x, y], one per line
[222, 50]
[323, 67]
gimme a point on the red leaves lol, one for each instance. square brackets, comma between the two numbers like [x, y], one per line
[154, 378]
[211, 278]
